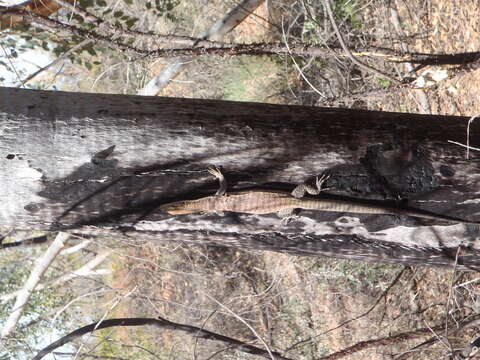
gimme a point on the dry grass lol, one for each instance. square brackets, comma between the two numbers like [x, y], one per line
[436, 26]
[286, 299]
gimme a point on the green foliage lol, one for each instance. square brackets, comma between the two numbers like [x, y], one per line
[90, 49]
[309, 30]
[249, 78]
[142, 341]
[162, 8]
[344, 10]
[356, 275]
[384, 83]
[348, 10]
[32, 324]
[86, 3]
[93, 54]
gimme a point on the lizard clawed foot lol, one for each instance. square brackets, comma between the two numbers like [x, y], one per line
[320, 180]
[217, 172]
[288, 215]
[286, 220]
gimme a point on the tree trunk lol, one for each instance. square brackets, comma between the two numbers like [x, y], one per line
[59, 171]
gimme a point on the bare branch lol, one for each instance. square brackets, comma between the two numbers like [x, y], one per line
[26, 242]
[383, 295]
[347, 50]
[362, 345]
[56, 61]
[37, 272]
[85, 270]
[163, 324]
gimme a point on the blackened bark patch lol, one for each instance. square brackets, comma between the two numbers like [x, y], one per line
[86, 179]
[447, 171]
[385, 172]
[403, 171]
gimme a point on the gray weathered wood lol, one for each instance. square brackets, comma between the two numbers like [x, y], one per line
[50, 144]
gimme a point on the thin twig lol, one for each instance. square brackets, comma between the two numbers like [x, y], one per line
[246, 324]
[347, 50]
[162, 324]
[56, 61]
[8, 56]
[296, 65]
[362, 345]
[385, 292]
[463, 145]
[450, 292]
[468, 133]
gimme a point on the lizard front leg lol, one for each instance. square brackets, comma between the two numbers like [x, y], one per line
[301, 189]
[222, 189]
[299, 192]
[215, 171]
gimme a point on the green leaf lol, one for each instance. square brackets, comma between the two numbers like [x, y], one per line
[118, 14]
[101, 3]
[86, 3]
[130, 22]
[59, 49]
[91, 51]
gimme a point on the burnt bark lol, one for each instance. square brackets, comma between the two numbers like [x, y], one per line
[102, 165]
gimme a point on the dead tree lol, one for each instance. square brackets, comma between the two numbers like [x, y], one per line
[101, 165]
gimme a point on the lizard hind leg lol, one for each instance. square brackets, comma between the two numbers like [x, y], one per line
[217, 172]
[288, 215]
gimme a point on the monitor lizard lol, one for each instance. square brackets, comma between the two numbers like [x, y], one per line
[258, 201]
